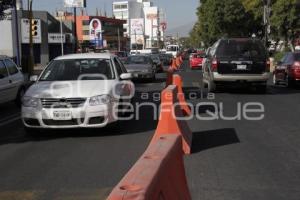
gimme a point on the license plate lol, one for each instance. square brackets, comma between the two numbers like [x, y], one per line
[62, 115]
[241, 67]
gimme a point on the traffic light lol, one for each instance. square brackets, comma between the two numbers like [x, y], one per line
[34, 27]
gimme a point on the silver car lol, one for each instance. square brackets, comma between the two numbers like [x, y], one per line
[141, 66]
[11, 81]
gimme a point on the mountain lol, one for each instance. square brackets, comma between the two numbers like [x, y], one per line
[182, 30]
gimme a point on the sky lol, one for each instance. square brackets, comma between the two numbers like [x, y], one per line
[179, 12]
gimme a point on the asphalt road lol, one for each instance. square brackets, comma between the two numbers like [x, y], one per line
[231, 159]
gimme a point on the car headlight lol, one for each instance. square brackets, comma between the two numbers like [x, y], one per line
[30, 102]
[100, 100]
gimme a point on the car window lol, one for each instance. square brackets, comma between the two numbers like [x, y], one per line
[118, 67]
[297, 56]
[3, 70]
[283, 58]
[78, 69]
[247, 48]
[11, 67]
[289, 58]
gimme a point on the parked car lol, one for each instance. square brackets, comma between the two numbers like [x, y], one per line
[287, 71]
[12, 86]
[237, 62]
[157, 62]
[141, 66]
[77, 91]
[196, 60]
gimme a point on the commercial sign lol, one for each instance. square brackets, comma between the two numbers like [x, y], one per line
[37, 38]
[137, 26]
[55, 38]
[75, 3]
[95, 30]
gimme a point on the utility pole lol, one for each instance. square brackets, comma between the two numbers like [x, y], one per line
[75, 29]
[119, 42]
[61, 36]
[17, 32]
[31, 57]
[267, 4]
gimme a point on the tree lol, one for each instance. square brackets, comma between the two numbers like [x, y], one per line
[285, 19]
[222, 19]
[4, 5]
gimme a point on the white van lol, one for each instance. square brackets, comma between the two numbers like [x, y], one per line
[173, 49]
[11, 81]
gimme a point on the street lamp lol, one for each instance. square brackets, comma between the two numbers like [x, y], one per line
[31, 58]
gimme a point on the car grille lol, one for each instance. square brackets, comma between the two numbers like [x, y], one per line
[73, 122]
[63, 103]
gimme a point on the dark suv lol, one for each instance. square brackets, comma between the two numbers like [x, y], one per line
[237, 61]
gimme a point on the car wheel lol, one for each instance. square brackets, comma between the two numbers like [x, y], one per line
[262, 89]
[20, 95]
[275, 82]
[289, 82]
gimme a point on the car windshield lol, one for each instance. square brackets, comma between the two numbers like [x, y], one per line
[137, 60]
[155, 58]
[234, 48]
[78, 69]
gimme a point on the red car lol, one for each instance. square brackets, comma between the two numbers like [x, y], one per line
[287, 70]
[196, 60]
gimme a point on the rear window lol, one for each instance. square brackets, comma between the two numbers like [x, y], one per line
[235, 48]
[201, 55]
[297, 56]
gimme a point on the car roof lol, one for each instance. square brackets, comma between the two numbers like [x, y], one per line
[86, 56]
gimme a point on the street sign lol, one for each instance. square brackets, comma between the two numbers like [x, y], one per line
[37, 37]
[56, 38]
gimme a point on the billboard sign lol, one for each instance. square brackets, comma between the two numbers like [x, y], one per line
[95, 32]
[137, 26]
[74, 3]
[37, 39]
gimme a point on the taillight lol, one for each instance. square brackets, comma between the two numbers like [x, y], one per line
[214, 65]
[268, 64]
[296, 66]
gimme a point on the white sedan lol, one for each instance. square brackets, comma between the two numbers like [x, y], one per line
[75, 91]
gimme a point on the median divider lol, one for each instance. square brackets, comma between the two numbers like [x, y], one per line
[169, 122]
[177, 80]
[158, 175]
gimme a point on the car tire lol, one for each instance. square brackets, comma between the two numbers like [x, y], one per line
[261, 89]
[289, 82]
[20, 95]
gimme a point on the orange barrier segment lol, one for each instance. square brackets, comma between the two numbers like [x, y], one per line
[158, 175]
[169, 122]
[177, 80]
[178, 63]
[169, 80]
[173, 65]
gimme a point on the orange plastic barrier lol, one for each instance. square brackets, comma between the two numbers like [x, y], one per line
[173, 65]
[169, 123]
[158, 175]
[178, 63]
[169, 80]
[181, 98]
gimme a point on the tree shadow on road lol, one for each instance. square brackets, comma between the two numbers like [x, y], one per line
[212, 139]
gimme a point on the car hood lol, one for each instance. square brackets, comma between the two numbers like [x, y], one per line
[137, 67]
[70, 89]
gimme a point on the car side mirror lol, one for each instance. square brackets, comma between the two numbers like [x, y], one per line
[34, 78]
[126, 76]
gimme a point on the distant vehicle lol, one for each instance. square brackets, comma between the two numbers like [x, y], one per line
[173, 49]
[166, 59]
[287, 70]
[157, 62]
[11, 81]
[196, 60]
[141, 66]
[237, 62]
[123, 55]
[76, 91]
[145, 51]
